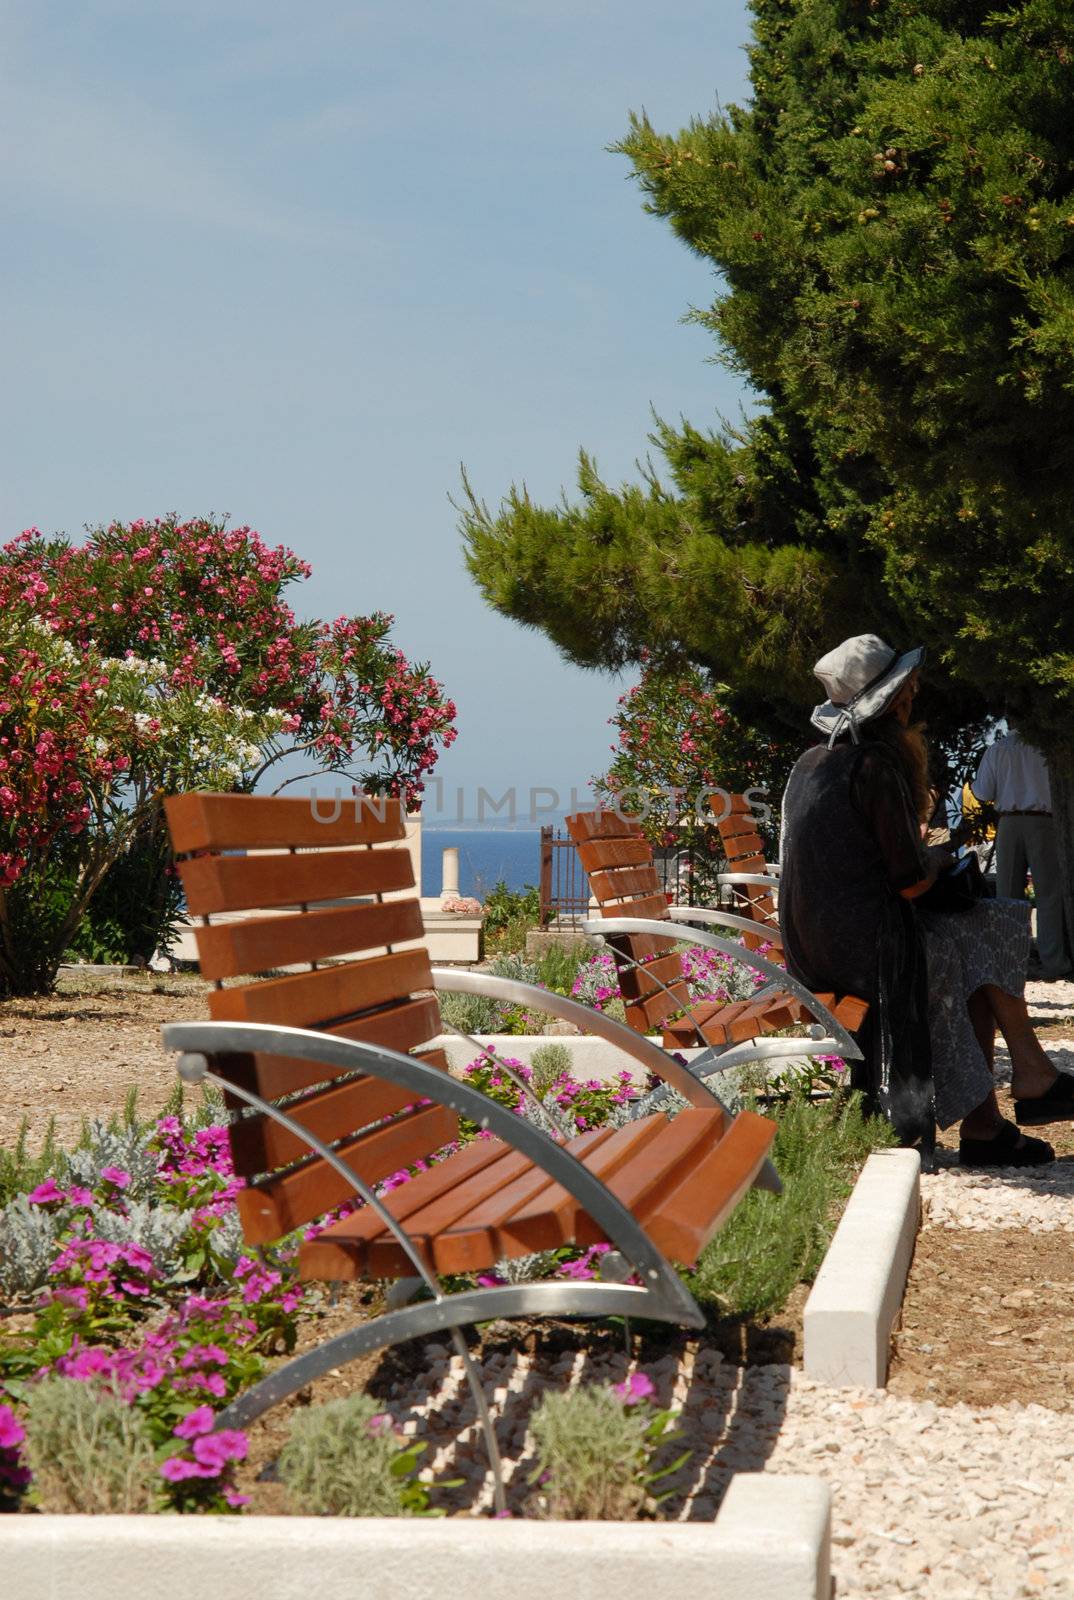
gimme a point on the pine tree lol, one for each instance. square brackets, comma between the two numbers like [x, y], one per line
[892, 221]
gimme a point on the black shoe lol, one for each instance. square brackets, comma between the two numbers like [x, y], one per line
[1008, 1148]
[1056, 1104]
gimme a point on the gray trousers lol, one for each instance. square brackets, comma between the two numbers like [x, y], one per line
[1027, 844]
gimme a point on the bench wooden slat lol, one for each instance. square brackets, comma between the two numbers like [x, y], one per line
[683, 1222]
[290, 1199]
[754, 863]
[463, 1245]
[227, 822]
[443, 1229]
[305, 999]
[401, 1027]
[743, 846]
[243, 883]
[341, 1251]
[597, 855]
[646, 1013]
[851, 1012]
[652, 907]
[636, 983]
[736, 824]
[584, 825]
[482, 1219]
[625, 883]
[638, 1175]
[259, 944]
[550, 1218]
[258, 1143]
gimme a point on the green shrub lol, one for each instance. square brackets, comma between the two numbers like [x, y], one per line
[558, 968]
[509, 916]
[470, 1013]
[342, 1459]
[87, 1451]
[773, 1242]
[594, 1449]
[19, 1171]
[549, 1063]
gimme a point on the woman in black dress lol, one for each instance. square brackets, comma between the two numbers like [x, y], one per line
[938, 985]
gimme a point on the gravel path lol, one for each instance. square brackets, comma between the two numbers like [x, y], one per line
[942, 1503]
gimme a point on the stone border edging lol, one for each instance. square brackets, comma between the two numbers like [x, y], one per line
[856, 1298]
[771, 1538]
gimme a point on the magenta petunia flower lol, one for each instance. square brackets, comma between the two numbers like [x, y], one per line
[46, 1194]
[176, 1468]
[636, 1387]
[195, 1423]
[215, 1450]
[12, 1432]
[117, 1176]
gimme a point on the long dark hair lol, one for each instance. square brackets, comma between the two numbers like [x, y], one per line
[911, 749]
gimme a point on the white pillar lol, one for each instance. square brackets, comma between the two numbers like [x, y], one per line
[451, 872]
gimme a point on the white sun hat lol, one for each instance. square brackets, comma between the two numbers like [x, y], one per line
[862, 676]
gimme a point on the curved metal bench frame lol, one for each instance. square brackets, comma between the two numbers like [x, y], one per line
[661, 1295]
[778, 977]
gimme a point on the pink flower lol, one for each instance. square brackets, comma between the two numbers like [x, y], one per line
[636, 1387]
[176, 1468]
[117, 1176]
[46, 1194]
[215, 1450]
[195, 1423]
[12, 1432]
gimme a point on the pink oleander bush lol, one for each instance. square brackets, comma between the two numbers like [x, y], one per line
[680, 750]
[158, 657]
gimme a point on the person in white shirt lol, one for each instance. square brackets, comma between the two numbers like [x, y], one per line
[1013, 776]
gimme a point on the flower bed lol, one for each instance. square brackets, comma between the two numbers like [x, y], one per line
[124, 1269]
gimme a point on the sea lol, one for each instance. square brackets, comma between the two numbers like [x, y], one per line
[486, 855]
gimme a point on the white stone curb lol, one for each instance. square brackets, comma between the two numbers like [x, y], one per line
[770, 1540]
[854, 1303]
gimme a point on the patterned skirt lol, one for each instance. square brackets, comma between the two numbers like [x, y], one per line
[966, 950]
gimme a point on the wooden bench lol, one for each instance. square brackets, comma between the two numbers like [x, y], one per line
[618, 859]
[334, 1082]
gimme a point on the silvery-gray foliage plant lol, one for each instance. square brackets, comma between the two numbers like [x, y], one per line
[128, 1148]
[28, 1237]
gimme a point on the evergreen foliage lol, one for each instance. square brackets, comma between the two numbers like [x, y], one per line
[892, 221]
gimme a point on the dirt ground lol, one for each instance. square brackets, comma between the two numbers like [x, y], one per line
[78, 1053]
[988, 1317]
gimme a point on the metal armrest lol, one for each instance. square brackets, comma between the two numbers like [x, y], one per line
[763, 880]
[677, 931]
[724, 919]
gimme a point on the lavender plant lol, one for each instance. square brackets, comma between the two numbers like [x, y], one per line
[345, 1459]
[596, 1449]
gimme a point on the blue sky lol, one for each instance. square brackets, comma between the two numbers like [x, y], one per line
[297, 262]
